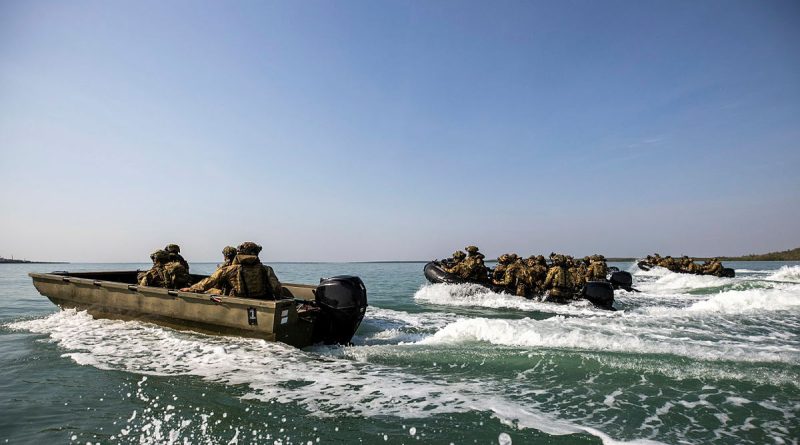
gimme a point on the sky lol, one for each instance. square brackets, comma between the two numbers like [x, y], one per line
[398, 130]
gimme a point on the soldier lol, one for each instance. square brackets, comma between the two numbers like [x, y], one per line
[228, 253]
[164, 273]
[578, 274]
[247, 277]
[477, 270]
[174, 252]
[714, 268]
[537, 272]
[458, 257]
[515, 277]
[694, 268]
[499, 271]
[670, 264]
[597, 270]
[557, 282]
[457, 266]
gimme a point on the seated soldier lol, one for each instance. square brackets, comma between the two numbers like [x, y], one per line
[558, 283]
[456, 259]
[174, 252]
[478, 272]
[246, 277]
[713, 268]
[515, 277]
[228, 254]
[499, 271]
[164, 273]
[537, 272]
[597, 270]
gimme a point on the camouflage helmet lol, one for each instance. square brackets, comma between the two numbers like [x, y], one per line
[173, 248]
[159, 256]
[471, 250]
[513, 257]
[249, 248]
[228, 251]
[459, 254]
[502, 258]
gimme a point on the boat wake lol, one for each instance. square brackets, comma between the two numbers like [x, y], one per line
[323, 385]
[475, 296]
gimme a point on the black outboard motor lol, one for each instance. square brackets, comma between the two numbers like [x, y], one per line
[600, 294]
[342, 301]
[727, 272]
[621, 280]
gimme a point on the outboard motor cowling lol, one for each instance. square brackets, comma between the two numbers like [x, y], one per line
[342, 301]
[727, 272]
[600, 294]
[621, 280]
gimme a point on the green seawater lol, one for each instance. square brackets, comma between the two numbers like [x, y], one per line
[687, 360]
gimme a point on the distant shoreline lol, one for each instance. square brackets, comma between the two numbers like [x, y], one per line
[8, 261]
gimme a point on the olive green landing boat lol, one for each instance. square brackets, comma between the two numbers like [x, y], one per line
[328, 313]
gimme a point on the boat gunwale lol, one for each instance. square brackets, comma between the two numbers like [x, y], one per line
[160, 291]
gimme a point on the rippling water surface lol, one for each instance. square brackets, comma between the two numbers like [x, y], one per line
[689, 359]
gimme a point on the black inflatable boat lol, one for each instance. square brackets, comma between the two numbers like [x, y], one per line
[727, 272]
[599, 293]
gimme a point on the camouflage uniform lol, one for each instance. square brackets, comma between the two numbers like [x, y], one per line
[597, 270]
[449, 265]
[694, 267]
[174, 252]
[558, 280]
[669, 263]
[499, 271]
[517, 278]
[714, 268]
[228, 254]
[164, 273]
[537, 272]
[247, 277]
[476, 270]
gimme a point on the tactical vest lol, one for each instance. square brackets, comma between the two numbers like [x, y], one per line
[561, 278]
[251, 279]
[176, 275]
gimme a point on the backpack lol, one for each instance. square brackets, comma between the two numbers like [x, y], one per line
[176, 274]
[252, 281]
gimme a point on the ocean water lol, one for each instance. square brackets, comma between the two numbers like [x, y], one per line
[689, 359]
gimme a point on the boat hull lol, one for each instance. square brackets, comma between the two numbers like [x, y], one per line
[272, 320]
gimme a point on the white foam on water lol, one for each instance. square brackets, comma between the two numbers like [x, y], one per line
[752, 300]
[418, 320]
[786, 273]
[627, 335]
[471, 295]
[330, 386]
[681, 282]
[656, 271]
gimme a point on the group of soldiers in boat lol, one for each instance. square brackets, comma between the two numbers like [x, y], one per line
[241, 274]
[685, 265]
[562, 279]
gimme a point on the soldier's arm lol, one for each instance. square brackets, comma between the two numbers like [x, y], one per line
[144, 279]
[208, 283]
[274, 283]
[549, 279]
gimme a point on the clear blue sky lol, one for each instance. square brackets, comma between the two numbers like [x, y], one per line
[379, 130]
